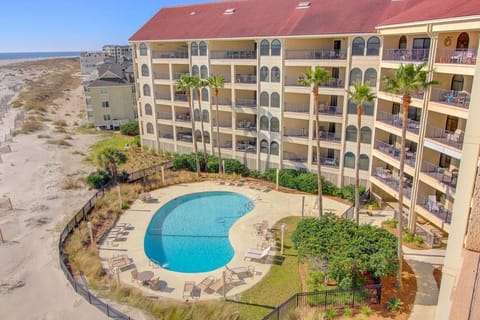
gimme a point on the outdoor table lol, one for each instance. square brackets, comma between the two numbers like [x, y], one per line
[145, 276]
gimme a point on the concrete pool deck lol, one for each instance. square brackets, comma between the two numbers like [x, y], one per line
[271, 206]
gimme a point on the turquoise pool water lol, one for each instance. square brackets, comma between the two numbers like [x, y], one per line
[190, 233]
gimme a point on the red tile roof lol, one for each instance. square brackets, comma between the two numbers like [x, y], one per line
[281, 18]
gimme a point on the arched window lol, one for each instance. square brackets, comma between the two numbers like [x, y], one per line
[264, 123]
[275, 74]
[198, 135]
[194, 49]
[146, 90]
[205, 116]
[206, 136]
[204, 94]
[366, 135]
[143, 49]
[145, 71]
[373, 46]
[148, 109]
[203, 72]
[402, 42]
[276, 47]
[349, 160]
[462, 41]
[358, 47]
[351, 133]
[355, 76]
[264, 99]
[195, 71]
[202, 48]
[263, 74]
[149, 128]
[364, 162]
[371, 77]
[274, 149]
[274, 125]
[264, 48]
[196, 115]
[352, 107]
[264, 146]
[367, 108]
[457, 82]
[275, 100]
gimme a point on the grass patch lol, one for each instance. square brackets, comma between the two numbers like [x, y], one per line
[78, 152]
[43, 136]
[70, 184]
[59, 142]
[60, 123]
[30, 125]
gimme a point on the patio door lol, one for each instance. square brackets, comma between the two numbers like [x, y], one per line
[451, 124]
[462, 42]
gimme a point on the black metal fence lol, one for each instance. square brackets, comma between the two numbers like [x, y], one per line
[328, 299]
[82, 215]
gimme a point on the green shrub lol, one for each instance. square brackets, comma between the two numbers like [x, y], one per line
[255, 174]
[347, 312]
[417, 239]
[392, 223]
[316, 281]
[235, 166]
[98, 179]
[136, 141]
[212, 165]
[130, 128]
[366, 310]
[330, 313]
[394, 304]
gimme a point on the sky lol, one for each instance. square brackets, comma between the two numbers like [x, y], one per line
[66, 25]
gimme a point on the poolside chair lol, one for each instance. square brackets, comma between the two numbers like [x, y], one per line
[256, 254]
[241, 272]
[188, 288]
[205, 284]
[134, 274]
[219, 284]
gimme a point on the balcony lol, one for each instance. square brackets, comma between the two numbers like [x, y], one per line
[245, 146]
[183, 117]
[397, 121]
[170, 54]
[223, 101]
[442, 175]
[246, 78]
[436, 208]
[247, 125]
[297, 108]
[223, 145]
[164, 115]
[316, 54]
[329, 110]
[452, 139]
[180, 97]
[249, 103]
[295, 132]
[178, 75]
[457, 56]
[459, 99]
[385, 176]
[162, 96]
[295, 157]
[393, 152]
[326, 162]
[161, 76]
[234, 54]
[416, 95]
[293, 81]
[413, 55]
[328, 136]
[184, 137]
[165, 135]
[223, 124]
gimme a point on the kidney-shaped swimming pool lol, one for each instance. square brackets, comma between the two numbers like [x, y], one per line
[190, 233]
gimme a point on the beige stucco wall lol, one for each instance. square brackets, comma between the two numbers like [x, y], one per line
[121, 101]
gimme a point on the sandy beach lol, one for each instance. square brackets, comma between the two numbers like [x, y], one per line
[32, 176]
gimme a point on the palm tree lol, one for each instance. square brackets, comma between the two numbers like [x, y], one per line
[198, 84]
[216, 82]
[109, 158]
[314, 77]
[185, 83]
[360, 94]
[407, 80]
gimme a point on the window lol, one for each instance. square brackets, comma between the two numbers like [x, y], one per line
[264, 99]
[373, 46]
[364, 162]
[146, 90]
[205, 116]
[105, 104]
[276, 47]
[195, 71]
[143, 49]
[194, 49]
[274, 125]
[203, 48]
[148, 109]
[204, 94]
[349, 160]
[352, 107]
[351, 133]
[263, 74]
[355, 76]
[368, 108]
[263, 123]
[264, 48]
[196, 115]
[402, 42]
[366, 135]
[145, 71]
[274, 148]
[275, 74]
[149, 128]
[203, 72]
[358, 47]
[457, 83]
[106, 117]
[275, 100]
[206, 136]
[371, 77]
[103, 90]
[264, 146]
[198, 136]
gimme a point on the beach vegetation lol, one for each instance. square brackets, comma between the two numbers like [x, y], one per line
[60, 123]
[109, 159]
[30, 125]
[130, 128]
[70, 183]
[98, 178]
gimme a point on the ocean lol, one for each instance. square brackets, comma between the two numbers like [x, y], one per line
[37, 55]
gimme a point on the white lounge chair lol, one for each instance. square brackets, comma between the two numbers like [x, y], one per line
[241, 272]
[256, 254]
[188, 289]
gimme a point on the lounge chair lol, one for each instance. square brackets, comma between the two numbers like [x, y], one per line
[134, 274]
[241, 272]
[256, 254]
[188, 288]
[120, 262]
[218, 285]
[206, 283]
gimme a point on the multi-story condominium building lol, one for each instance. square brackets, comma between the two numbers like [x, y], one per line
[111, 100]
[119, 53]
[267, 120]
[89, 61]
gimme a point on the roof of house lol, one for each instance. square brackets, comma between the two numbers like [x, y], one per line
[282, 18]
[108, 83]
[109, 70]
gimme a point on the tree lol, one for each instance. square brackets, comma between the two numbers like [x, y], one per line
[216, 82]
[360, 94]
[109, 158]
[197, 85]
[314, 77]
[407, 80]
[185, 83]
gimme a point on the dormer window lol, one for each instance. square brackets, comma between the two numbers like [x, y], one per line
[229, 11]
[304, 5]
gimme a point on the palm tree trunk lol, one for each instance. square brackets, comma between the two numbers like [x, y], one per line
[319, 170]
[192, 119]
[357, 166]
[406, 103]
[203, 130]
[220, 169]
